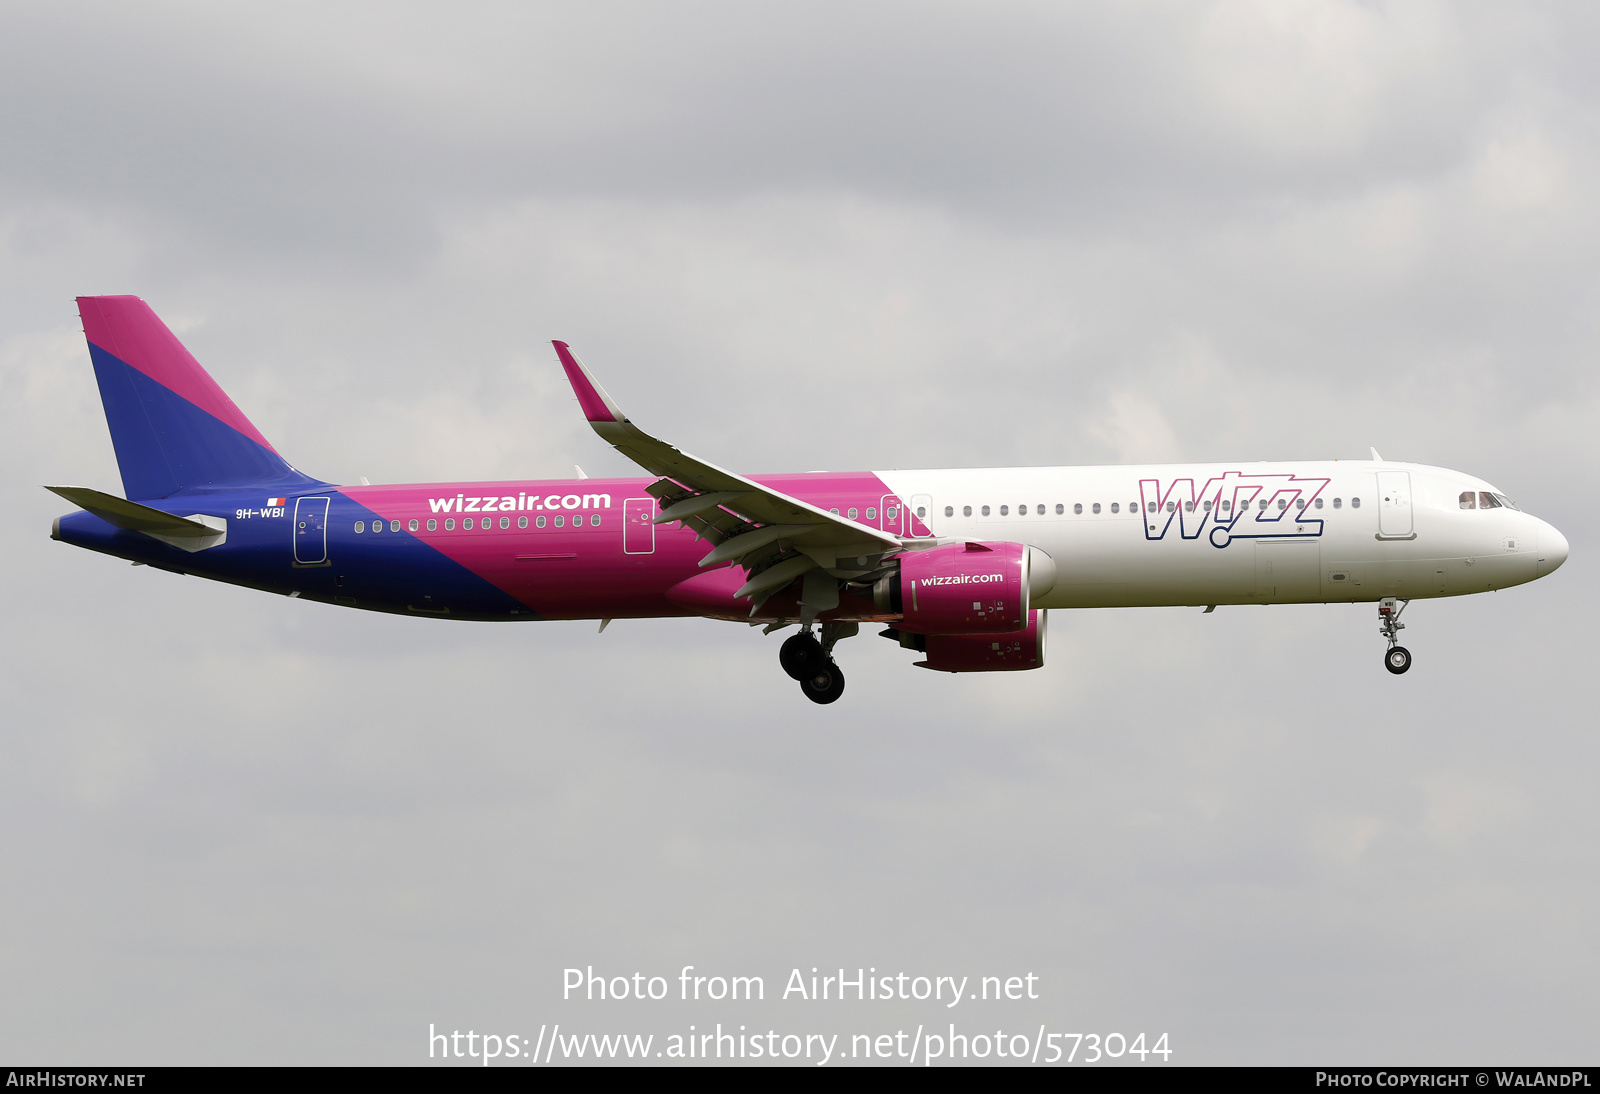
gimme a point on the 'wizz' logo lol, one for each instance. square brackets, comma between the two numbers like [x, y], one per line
[1233, 505]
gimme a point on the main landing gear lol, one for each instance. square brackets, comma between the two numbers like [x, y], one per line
[811, 661]
[1397, 659]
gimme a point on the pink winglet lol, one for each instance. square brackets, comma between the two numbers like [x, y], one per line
[126, 328]
[597, 405]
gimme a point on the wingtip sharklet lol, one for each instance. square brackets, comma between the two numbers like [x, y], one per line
[597, 405]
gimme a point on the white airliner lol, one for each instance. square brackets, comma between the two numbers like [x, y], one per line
[960, 565]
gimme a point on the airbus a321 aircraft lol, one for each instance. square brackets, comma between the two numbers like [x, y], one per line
[959, 565]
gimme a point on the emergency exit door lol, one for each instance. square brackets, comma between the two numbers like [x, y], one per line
[638, 526]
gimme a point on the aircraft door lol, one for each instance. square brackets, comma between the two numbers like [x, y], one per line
[921, 511]
[638, 531]
[891, 512]
[1394, 503]
[310, 531]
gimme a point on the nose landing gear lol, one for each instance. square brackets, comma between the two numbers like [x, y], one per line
[1397, 659]
[811, 662]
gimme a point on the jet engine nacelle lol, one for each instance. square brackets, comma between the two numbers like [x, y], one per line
[960, 588]
[1022, 649]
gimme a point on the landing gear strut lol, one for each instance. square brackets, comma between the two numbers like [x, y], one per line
[810, 661]
[1397, 659]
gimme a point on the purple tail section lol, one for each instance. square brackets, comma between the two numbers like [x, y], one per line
[175, 431]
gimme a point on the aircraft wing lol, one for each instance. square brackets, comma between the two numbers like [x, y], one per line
[763, 529]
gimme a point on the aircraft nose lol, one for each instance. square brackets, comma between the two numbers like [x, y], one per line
[1552, 549]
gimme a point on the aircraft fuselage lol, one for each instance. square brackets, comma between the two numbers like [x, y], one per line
[1120, 536]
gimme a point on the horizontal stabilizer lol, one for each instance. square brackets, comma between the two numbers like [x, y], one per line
[138, 518]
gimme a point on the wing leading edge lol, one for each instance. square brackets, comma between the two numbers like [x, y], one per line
[774, 536]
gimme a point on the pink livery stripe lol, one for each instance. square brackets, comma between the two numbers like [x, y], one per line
[597, 407]
[126, 328]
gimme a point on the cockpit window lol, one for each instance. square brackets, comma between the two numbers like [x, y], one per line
[1507, 502]
[1469, 499]
[1487, 500]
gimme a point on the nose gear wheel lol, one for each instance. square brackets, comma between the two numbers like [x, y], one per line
[1397, 659]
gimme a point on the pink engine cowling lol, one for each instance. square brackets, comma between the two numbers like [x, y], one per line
[964, 588]
[1018, 650]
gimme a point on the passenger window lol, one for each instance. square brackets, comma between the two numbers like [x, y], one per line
[538, 522]
[1319, 503]
[1113, 507]
[361, 526]
[1487, 500]
[1206, 505]
[872, 512]
[1282, 505]
[1299, 503]
[561, 521]
[1095, 507]
[1262, 504]
[433, 525]
[1077, 507]
[853, 511]
[1227, 506]
[1188, 507]
[1004, 510]
[522, 522]
[466, 522]
[893, 512]
[922, 511]
[594, 520]
[1338, 503]
[1060, 509]
[505, 522]
[1150, 506]
[966, 510]
[413, 526]
[985, 510]
[450, 524]
[835, 512]
[1355, 503]
[949, 511]
[394, 526]
[1171, 506]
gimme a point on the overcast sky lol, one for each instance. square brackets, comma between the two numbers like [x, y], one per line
[239, 828]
